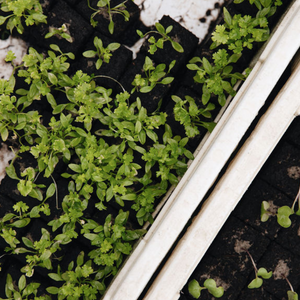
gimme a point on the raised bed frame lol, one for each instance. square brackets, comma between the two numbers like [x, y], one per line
[203, 172]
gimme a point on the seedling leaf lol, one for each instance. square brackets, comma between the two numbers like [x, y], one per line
[283, 214]
[211, 285]
[292, 295]
[264, 214]
[195, 289]
[255, 283]
[177, 47]
[262, 272]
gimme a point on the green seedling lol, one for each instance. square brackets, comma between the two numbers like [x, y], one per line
[82, 281]
[283, 213]
[159, 43]
[104, 7]
[264, 6]
[292, 295]
[23, 290]
[19, 11]
[217, 78]
[241, 32]
[188, 114]
[209, 284]
[62, 32]
[153, 75]
[103, 54]
[112, 240]
[260, 274]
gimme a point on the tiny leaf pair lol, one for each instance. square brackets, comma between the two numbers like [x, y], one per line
[209, 284]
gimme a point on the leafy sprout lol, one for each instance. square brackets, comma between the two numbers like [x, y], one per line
[20, 11]
[260, 274]
[153, 75]
[62, 32]
[155, 44]
[283, 213]
[103, 6]
[103, 54]
[209, 284]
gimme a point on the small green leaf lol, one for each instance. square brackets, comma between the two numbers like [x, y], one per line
[52, 290]
[4, 134]
[8, 217]
[99, 63]
[141, 213]
[21, 223]
[141, 35]
[194, 289]
[176, 46]
[22, 283]
[264, 213]
[55, 277]
[227, 16]
[255, 283]
[160, 28]
[80, 259]
[262, 272]
[169, 29]
[113, 46]
[167, 80]
[50, 191]
[283, 214]
[52, 78]
[146, 89]
[11, 172]
[129, 197]
[211, 285]
[292, 295]
[207, 66]
[111, 27]
[55, 47]
[27, 242]
[89, 53]
[75, 168]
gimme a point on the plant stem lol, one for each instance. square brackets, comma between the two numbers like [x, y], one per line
[104, 76]
[289, 283]
[252, 260]
[297, 198]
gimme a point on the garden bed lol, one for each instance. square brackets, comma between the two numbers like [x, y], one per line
[76, 222]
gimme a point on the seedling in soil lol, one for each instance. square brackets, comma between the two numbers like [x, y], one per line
[103, 7]
[241, 32]
[81, 282]
[217, 77]
[155, 44]
[283, 213]
[62, 32]
[154, 75]
[292, 295]
[188, 114]
[209, 284]
[260, 274]
[22, 290]
[103, 53]
[31, 11]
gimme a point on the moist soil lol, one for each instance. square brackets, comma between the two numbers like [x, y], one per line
[273, 247]
[277, 183]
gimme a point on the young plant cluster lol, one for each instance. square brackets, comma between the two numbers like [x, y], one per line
[77, 134]
[210, 284]
[283, 213]
[104, 7]
[216, 75]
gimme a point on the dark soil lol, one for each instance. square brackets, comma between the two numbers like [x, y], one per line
[275, 248]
